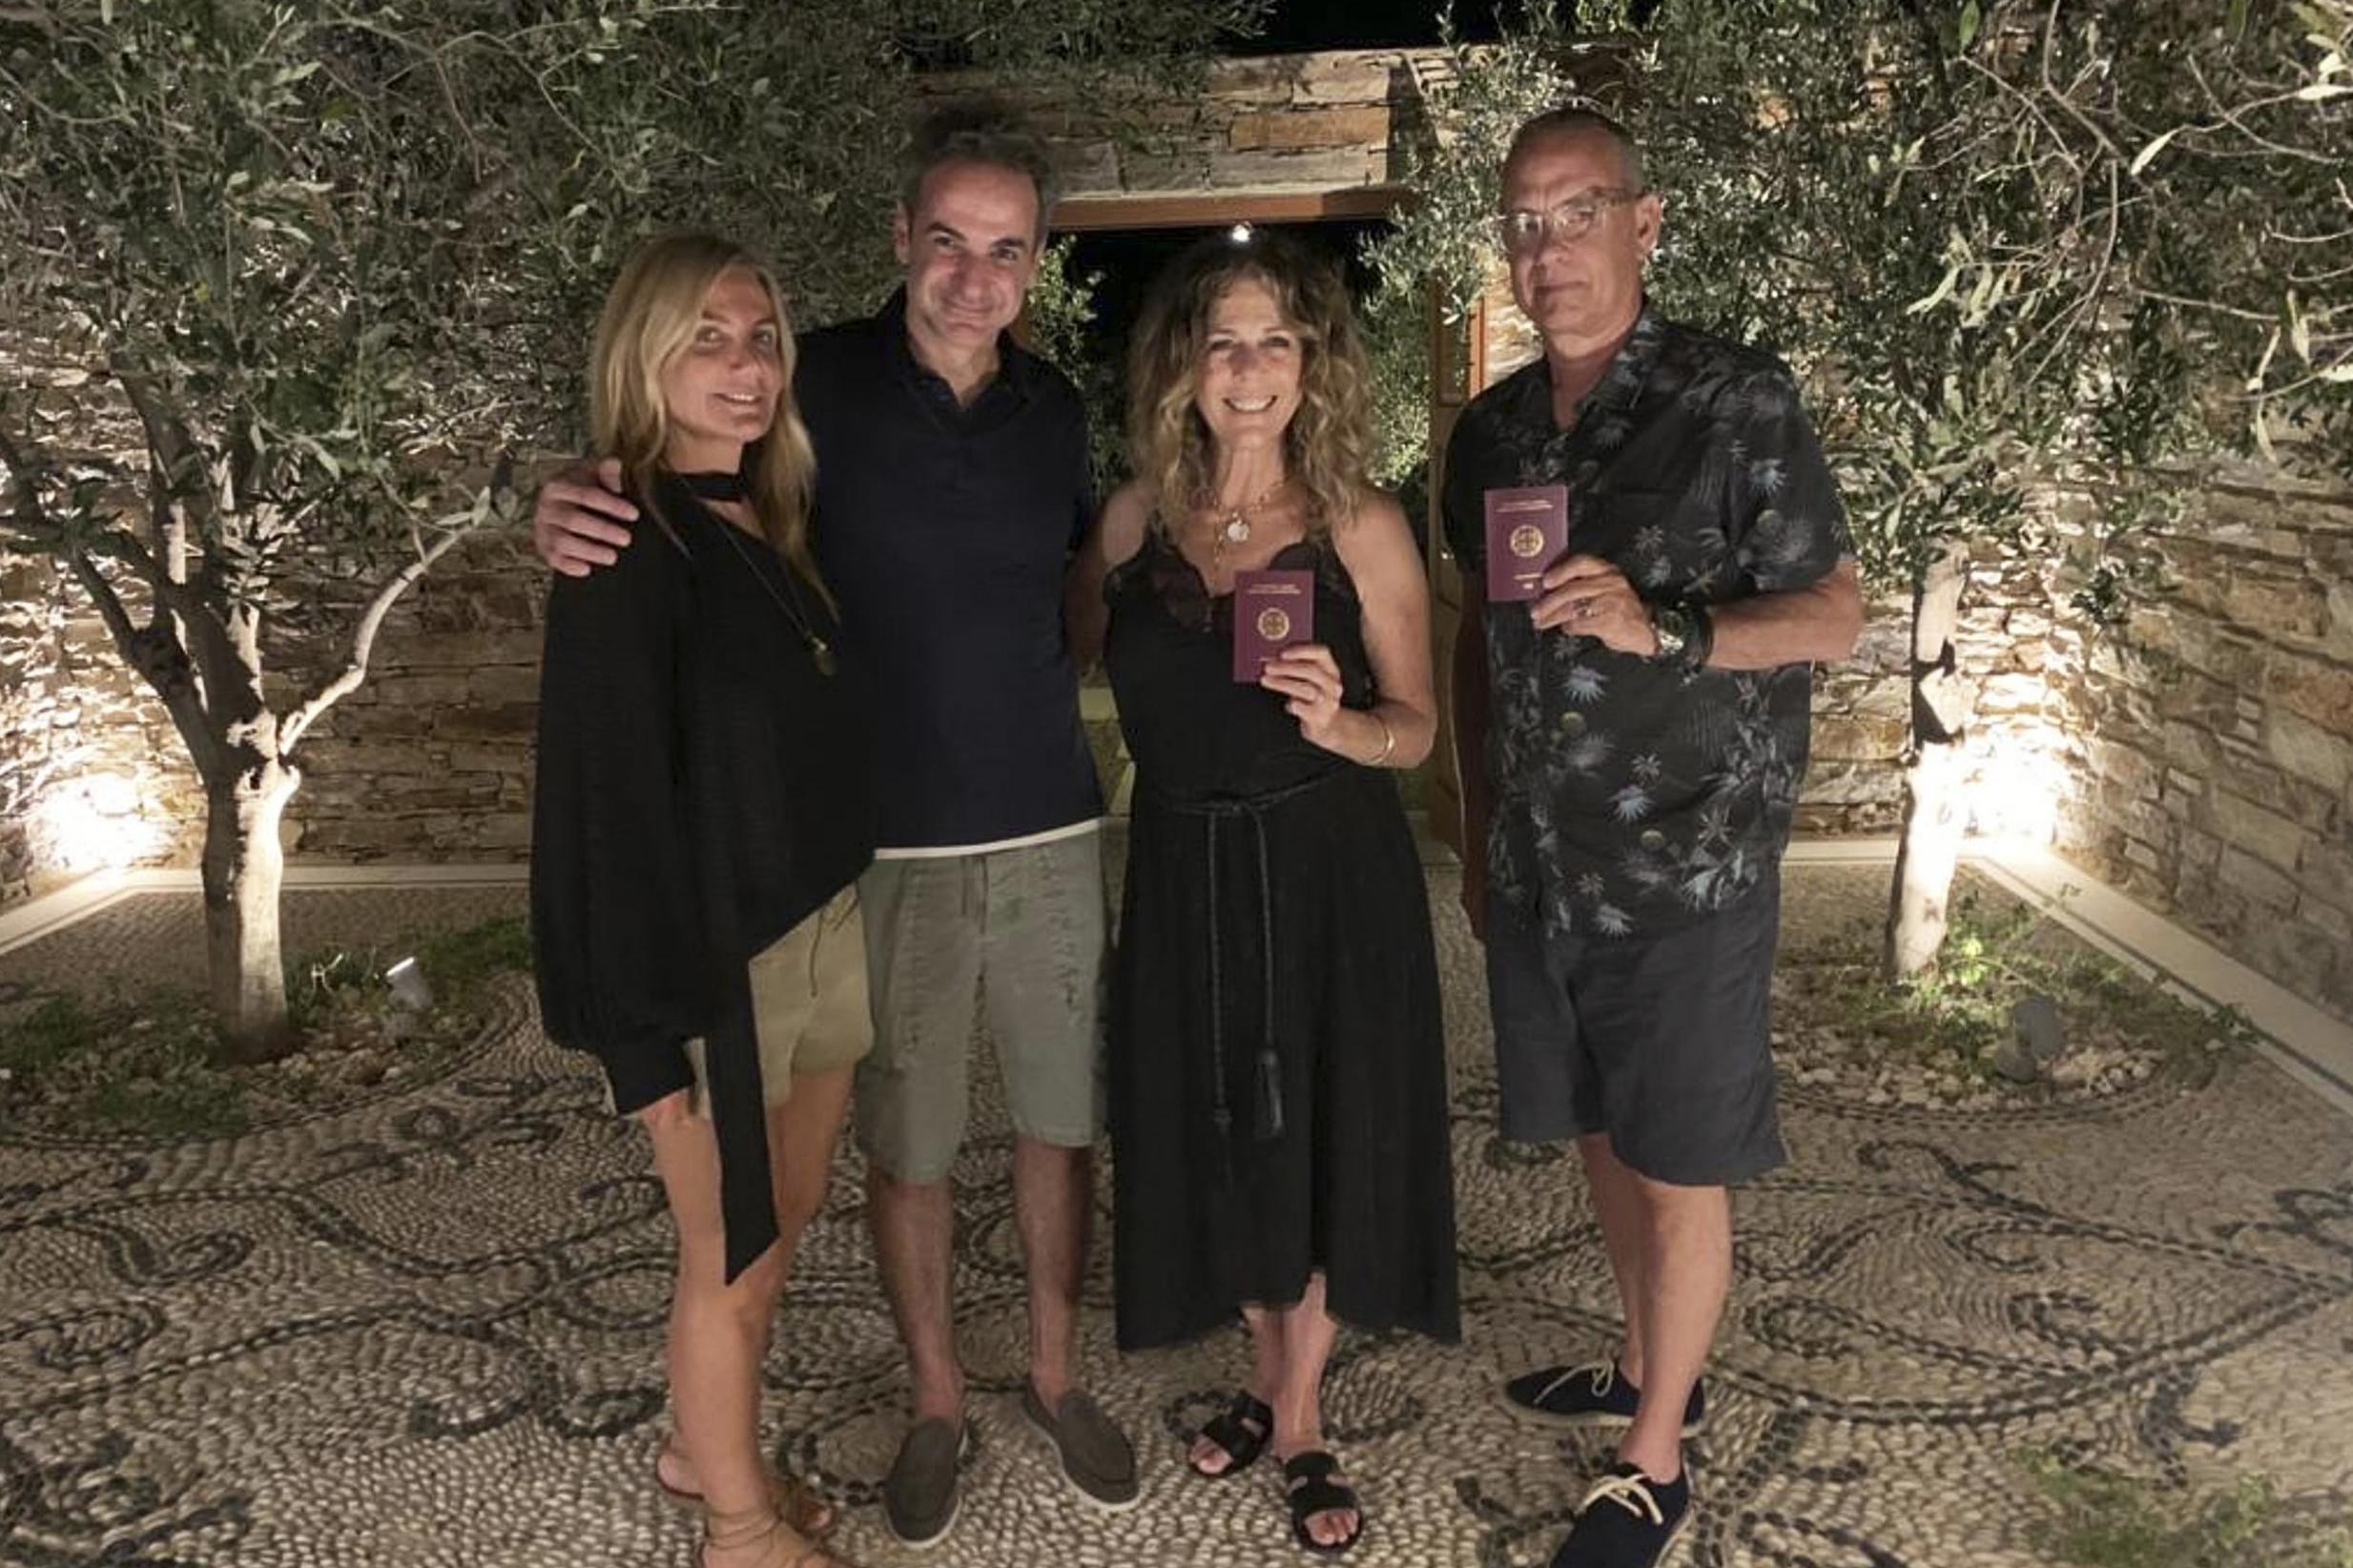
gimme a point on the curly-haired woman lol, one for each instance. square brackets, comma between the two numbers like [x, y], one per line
[1277, 1067]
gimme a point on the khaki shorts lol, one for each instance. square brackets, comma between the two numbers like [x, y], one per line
[809, 1002]
[1025, 927]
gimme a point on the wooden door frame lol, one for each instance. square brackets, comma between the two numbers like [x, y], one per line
[1208, 209]
[1457, 374]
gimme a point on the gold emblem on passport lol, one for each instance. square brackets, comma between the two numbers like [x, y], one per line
[1273, 625]
[1527, 541]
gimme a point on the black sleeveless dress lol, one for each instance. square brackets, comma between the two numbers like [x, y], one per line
[1278, 1074]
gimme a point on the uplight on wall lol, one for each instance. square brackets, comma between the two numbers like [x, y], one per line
[2017, 794]
[93, 823]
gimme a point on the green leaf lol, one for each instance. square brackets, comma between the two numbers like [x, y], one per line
[1971, 20]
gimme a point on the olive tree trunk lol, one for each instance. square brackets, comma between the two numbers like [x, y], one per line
[1935, 813]
[243, 868]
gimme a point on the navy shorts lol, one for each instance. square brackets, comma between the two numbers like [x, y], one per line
[1662, 1042]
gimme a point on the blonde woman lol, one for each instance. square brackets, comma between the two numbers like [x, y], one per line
[700, 819]
[1277, 1068]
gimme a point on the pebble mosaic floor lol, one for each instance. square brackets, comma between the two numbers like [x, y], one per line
[427, 1330]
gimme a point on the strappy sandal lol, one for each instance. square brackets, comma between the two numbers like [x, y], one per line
[1309, 1488]
[758, 1527]
[798, 1503]
[1241, 1429]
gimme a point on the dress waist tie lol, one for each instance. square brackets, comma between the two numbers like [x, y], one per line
[1216, 813]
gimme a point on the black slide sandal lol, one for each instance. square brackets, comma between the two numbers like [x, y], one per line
[1309, 1490]
[1231, 1430]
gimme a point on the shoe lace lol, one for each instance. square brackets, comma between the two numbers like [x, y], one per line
[1631, 1492]
[1604, 1375]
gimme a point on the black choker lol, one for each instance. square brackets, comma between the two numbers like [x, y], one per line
[714, 485]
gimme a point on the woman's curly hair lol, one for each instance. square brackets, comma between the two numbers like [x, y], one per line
[1325, 447]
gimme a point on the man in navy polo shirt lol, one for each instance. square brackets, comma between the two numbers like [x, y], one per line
[950, 492]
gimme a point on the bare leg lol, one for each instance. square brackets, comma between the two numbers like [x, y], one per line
[1687, 1273]
[718, 1334]
[1265, 1385]
[1053, 1192]
[801, 1135]
[915, 1241]
[1617, 1206]
[1308, 1333]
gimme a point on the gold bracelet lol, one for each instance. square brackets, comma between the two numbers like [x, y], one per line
[1389, 742]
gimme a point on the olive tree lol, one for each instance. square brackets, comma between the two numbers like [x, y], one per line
[335, 264]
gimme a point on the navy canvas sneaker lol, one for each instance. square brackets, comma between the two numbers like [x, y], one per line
[1595, 1394]
[1627, 1520]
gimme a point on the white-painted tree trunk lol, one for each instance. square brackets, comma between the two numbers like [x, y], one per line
[244, 866]
[1935, 814]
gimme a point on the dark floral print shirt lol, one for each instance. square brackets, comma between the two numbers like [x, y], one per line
[1632, 798]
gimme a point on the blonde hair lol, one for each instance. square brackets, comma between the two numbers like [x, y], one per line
[648, 320]
[1325, 447]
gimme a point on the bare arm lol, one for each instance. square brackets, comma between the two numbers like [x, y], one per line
[1817, 624]
[1377, 548]
[1117, 534]
[580, 521]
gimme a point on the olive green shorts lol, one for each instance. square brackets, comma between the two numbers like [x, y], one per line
[809, 1002]
[1024, 928]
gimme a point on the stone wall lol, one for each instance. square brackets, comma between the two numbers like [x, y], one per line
[90, 767]
[90, 770]
[2216, 739]
[432, 758]
[1314, 122]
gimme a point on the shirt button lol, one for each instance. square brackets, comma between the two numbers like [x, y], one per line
[1572, 724]
[1653, 839]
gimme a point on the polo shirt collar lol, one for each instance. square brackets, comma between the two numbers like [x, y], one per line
[1017, 368]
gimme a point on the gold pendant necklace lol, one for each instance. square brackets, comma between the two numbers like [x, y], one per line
[1232, 527]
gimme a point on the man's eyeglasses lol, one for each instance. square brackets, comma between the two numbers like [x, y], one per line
[1525, 232]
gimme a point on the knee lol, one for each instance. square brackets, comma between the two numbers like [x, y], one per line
[748, 1299]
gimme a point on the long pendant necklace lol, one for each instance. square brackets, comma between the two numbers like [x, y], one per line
[820, 652]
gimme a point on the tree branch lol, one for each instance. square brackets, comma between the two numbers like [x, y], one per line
[154, 651]
[363, 642]
[168, 439]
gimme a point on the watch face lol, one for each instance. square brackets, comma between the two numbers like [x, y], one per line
[1672, 629]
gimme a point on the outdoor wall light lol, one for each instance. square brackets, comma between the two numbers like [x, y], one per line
[1239, 234]
[409, 987]
[93, 823]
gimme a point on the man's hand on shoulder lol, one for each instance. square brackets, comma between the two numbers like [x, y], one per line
[581, 521]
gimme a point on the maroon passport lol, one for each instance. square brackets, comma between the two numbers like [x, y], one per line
[1527, 530]
[1272, 610]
